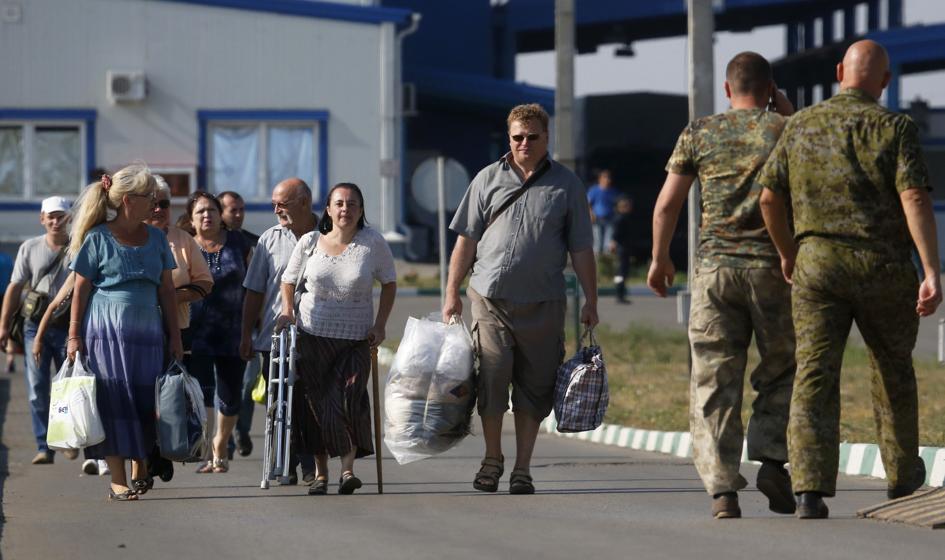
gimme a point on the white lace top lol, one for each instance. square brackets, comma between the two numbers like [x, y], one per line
[337, 292]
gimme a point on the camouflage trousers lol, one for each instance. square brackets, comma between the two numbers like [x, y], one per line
[729, 305]
[835, 285]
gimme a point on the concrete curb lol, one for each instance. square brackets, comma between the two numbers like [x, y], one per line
[860, 459]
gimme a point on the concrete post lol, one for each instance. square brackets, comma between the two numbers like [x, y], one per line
[564, 86]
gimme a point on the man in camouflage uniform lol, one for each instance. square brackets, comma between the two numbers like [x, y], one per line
[858, 187]
[737, 289]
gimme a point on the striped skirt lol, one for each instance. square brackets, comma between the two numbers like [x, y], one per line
[334, 375]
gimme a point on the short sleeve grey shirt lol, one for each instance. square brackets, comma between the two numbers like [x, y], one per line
[33, 257]
[264, 275]
[521, 257]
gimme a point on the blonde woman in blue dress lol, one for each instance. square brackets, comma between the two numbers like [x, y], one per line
[122, 285]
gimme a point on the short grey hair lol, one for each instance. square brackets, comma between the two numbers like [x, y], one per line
[162, 187]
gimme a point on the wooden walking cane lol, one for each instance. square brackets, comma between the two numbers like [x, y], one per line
[377, 422]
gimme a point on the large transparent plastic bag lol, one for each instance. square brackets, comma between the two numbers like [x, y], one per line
[430, 390]
[74, 422]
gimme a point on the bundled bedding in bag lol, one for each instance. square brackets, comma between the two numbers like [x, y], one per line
[74, 422]
[181, 417]
[430, 390]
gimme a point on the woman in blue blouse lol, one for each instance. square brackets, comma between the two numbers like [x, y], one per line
[122, 284]
[215, 321]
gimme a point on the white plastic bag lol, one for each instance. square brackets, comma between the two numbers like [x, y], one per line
[430, 390]
[74, 422]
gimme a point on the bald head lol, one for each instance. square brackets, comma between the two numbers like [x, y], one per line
[293, 187]
[865, 66]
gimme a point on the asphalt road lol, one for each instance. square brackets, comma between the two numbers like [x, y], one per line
[593, 501]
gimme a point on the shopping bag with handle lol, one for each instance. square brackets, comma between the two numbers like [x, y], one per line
[581, 392]
[181, 417]
[74, 422]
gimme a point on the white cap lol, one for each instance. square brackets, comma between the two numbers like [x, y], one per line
[56, 204]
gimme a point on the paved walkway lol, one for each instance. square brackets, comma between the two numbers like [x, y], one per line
[593, 502]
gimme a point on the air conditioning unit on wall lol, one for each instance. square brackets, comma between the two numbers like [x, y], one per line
[125, 87]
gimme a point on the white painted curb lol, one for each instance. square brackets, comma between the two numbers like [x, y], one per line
[860, 459]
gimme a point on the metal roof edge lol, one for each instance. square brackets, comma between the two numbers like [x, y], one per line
[313, 9]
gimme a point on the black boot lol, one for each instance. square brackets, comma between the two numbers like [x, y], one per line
[810, 505]
[918, 479]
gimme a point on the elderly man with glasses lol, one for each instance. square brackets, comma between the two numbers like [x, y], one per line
[292, 205]
[519, 220]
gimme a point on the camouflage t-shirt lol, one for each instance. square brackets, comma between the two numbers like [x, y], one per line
[842, 164]
[726, 151]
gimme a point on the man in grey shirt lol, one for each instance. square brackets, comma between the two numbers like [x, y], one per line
[519, 220]
[292, 204]
[41, 265]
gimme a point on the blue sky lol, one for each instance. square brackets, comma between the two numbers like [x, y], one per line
[660, 65]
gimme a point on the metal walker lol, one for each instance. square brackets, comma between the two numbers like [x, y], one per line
[277, 444]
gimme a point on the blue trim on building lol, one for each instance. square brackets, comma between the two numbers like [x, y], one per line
[313, 9]
[477, 89]
[204, 116]
[20, 206]
[87, 115]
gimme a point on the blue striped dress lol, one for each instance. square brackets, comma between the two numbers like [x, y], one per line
[124, 335]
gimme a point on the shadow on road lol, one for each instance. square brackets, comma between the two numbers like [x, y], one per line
[4, 450]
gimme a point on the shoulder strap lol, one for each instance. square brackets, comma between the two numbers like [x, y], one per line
[542, 169]
[49, 268]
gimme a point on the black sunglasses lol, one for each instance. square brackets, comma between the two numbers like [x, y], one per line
[531, 137]
[162, 204]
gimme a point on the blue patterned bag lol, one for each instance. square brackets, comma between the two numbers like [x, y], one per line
[581, 392]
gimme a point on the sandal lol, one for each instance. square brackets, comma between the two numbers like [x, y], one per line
[520, 482]
[128, 495]
[205, 468]
[142, 485]
[220, 465]
[490, 471]
[319, 487]
[348, 483]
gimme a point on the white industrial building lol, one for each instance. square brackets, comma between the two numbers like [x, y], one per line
[214, 94]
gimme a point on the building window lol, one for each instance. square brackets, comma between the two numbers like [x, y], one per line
[250, 151]
[38, 159]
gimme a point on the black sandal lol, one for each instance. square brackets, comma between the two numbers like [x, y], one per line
[319, 487]
[348, 483]
[142, 485]
[520, 482]
[490, 471]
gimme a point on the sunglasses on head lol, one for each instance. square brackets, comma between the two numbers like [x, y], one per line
[520, 137]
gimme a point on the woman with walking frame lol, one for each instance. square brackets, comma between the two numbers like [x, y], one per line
[335, 269]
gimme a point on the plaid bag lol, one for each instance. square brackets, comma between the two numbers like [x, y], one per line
[581, 394]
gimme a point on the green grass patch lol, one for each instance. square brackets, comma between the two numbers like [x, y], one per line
[649, 386]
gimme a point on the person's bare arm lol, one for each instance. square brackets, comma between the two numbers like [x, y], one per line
[585, 267]
[10, 301]
[378, 332]
[464, 253]
[774, 211]
[168, 302]
[252, 307]
[287, 317]
[61, 296]
[917, 205]
[669, 204]
[80, 301]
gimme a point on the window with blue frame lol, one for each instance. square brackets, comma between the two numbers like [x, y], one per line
[250, 151]
[43, 153]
